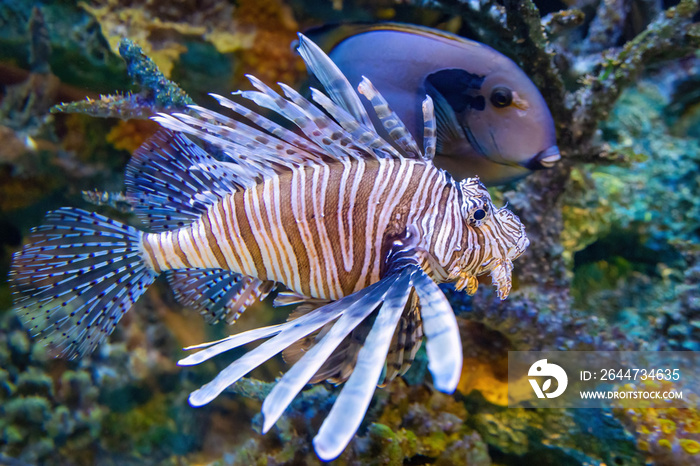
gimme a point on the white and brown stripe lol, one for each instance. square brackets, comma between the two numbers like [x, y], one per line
[324, 229]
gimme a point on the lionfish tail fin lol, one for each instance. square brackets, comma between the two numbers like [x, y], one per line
[78, 276]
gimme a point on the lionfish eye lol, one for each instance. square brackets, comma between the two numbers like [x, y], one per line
[479, 214]
[501, 97]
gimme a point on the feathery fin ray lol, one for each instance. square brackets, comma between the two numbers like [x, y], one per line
[216, 293]
[391, 295]
[171, 181]
[80, 273]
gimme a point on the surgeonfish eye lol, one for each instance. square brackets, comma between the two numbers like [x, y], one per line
[501, 97]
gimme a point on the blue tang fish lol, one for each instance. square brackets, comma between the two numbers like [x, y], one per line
[492, 121]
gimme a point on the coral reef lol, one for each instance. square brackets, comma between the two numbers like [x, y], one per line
[668, 436]
[41, 414]
[413, 424]
[555, 436]
[161, 28]
[258, 32]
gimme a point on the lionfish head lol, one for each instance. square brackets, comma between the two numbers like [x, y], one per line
[501, 233]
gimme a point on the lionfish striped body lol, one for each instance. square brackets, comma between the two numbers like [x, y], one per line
[325, 230]
[351, 224]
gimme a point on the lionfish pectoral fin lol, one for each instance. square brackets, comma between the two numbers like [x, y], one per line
[167, 184]
[406, 341]
[283, 335]
[216, 293]
[333, 80]
[501, 276]
[353, 401]
[299, 348]
[443, 343]
[311, 362]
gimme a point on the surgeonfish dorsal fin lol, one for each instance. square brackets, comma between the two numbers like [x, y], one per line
[216, 293]
[170, 181]
[332, 79]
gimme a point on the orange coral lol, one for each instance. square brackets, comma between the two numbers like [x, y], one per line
[130, 134]
[271, 58]
[669, 435]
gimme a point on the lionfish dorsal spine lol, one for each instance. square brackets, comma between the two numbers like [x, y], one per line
[333, 80]
[429, 129]
[390, 121]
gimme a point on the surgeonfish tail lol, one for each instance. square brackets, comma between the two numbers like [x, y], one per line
[76, 278]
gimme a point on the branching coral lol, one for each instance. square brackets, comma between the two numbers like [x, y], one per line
[157, 93]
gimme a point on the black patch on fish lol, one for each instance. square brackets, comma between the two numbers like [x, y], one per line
[457, 87]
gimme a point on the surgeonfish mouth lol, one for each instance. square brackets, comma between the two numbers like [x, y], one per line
[544, 159]
[291, 208]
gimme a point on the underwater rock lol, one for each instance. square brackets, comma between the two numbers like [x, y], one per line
[555, 436]
[679, 327]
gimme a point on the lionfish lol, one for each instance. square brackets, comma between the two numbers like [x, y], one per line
[358, 229]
